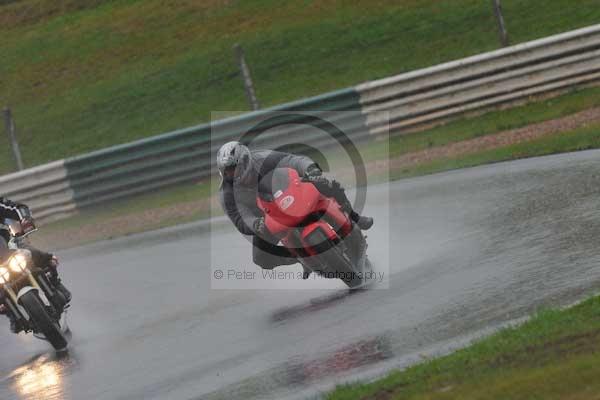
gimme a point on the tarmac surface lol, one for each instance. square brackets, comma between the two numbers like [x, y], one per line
[459, 253]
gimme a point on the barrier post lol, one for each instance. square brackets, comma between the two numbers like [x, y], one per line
[246, 77]
[9, 125]
[501, 25]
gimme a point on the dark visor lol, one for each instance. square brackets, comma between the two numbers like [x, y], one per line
[229, 172]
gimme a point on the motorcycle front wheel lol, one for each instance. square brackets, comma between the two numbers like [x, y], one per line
[42, 320]
[333, 257]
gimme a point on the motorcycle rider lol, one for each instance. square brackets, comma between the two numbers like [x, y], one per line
[241, 169]
[10, 210]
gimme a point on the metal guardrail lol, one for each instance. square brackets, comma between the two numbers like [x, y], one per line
[174, 157]
[490, 79]
[413, 99]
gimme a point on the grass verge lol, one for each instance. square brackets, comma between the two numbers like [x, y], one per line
[555, 355]
[181, 194]
[490, 123]
[584, 138]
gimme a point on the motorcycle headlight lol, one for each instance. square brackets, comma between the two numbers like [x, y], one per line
[4, 275]
[18, 262]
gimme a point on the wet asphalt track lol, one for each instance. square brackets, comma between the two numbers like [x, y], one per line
[472, 249]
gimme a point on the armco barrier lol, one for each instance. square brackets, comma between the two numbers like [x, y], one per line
[413, 99]
[496, 78]
[178, 156]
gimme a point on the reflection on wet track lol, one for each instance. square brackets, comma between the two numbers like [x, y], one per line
[42, 377]
[315, 304]
[473, 249]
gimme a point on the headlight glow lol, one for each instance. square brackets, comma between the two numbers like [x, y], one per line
[18, 262]
[4, 275]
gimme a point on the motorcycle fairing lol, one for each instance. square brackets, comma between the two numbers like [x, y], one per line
[285, 200]
[288, 202]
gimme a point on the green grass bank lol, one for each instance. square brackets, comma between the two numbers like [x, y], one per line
[86, 74]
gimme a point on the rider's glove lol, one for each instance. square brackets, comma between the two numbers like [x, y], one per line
[259, 226]
[28, 224]
[53, 261]
[313, 171]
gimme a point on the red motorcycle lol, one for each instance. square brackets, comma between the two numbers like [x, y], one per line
[313, 227]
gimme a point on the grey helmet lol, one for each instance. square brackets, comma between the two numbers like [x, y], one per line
[234, 162]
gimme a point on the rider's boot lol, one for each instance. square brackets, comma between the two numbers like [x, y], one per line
[57, 282]
[335, 190]
[306, 272]
[363, 222]
[66, 292]
[14, 327]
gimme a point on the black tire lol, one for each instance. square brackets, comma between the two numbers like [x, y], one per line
[42, 320]
[355, 241]
[356, 246]
[333, 257]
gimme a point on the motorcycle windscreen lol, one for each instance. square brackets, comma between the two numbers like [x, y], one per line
[273, 183]
[291, 200]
